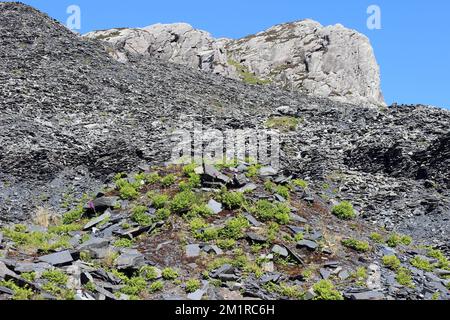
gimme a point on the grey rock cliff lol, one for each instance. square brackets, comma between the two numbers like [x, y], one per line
[329, 62]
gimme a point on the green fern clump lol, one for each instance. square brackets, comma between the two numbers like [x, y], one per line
[357, 245]
[182, 202]
[325, 290]
[268, 211]
[140, 216]
[192, 285]
[232, 200]
[124, 243]
[158, 200]
[392, 262]
[234, 228]
[404, 278]
[344, 211]
[396, 239]
[422, 264]
[169, 274]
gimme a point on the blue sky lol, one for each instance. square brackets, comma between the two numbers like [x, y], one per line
[412, 48]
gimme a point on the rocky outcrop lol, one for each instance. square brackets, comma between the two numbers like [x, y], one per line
[330, 62]
[72, 117]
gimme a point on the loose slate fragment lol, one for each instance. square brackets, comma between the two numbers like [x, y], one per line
[267, 171]
[94, 243]
[131, 259]
[256, 237]
[101, 204]
[97, 220]
[297, 218]
[281, 251]
[252, 220]
[247, 188]
[310, 245]
[58, 258]
[192, 250]
[215, 206]
[26, 267]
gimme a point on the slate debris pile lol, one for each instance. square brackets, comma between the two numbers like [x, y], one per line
[72, 118]
[120, 247]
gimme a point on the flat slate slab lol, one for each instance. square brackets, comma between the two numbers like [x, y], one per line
[281, 251]
[97, 220]
[310, 245]
[58, 258]
[193, 250]
[215, 206]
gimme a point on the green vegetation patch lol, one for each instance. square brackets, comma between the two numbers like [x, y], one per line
[357, 245]
[246, 75]
[284, 124]
[325, 290]
[391, 262]
[344, 211]
[268, 211]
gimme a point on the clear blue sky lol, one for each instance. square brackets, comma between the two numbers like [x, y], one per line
[412, 48]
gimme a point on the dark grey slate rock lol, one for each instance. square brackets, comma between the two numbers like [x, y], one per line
[197, 295]
[331, 264]
[240, 180]
[270, 277]
[4, 271]
[252, 220]
[25, 267]
[388, 251]
[212, 249]
[256, 237]
[225, 269]
[324, 273]
[215, 206]
[310, 245]
[132, 232]
[344, 275]
[365, 295]
[193, 250]
[108, 231]
[295, 256]
[297, 218]
[211, 174]
[267, 172]
[279, 198]
[296, 230]
[442, 273]
[248, 187]
[7, 291]
[130, 260]
[282, 179]
[228, 277]
[281, 251]
[97, 220]
[107, 294]
[315, 236]
[94, 243]
[58, 258]
[101, 204]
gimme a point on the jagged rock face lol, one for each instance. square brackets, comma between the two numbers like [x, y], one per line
[71, 116]
[331, 62]
[177, 43]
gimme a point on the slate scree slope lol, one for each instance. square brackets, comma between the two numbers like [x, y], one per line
[71, 115]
